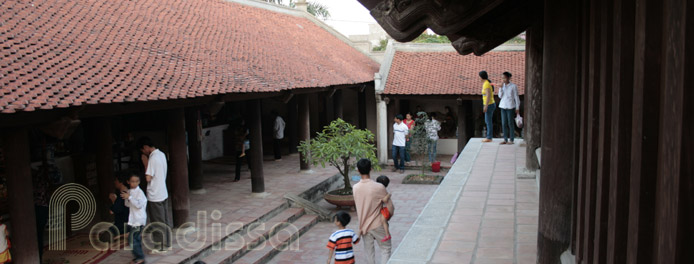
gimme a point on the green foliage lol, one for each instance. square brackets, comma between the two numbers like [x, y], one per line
[431, 38]
[420, 140]
[340, 145]
[381, 46]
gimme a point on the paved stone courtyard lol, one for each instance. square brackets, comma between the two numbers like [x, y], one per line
[479, 214]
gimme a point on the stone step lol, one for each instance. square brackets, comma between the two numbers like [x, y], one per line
[238, 245]
[285, 239]
[212, 245]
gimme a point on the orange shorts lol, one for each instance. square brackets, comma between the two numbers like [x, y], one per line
[386, 214]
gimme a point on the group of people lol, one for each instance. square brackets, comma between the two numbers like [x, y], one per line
[401, 139]
[374, 210]
[509, 104]
[133, 209]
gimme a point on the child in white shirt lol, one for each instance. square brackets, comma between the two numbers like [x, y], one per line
[136, 200]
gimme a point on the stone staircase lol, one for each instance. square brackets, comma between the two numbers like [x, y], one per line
[261, 240]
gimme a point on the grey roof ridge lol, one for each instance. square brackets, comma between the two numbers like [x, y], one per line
[385, 66]
[300, 13]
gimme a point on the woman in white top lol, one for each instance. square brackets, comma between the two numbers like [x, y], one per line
[509, 104]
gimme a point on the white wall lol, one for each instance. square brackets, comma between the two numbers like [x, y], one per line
[213, 143]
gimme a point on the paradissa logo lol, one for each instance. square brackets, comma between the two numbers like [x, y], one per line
[190, 236]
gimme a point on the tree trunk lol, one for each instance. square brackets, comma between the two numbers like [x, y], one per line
[345, 175]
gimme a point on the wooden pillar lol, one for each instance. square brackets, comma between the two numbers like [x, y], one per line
[533, 93]
[582, 125]
[645, 115]
[338, 108]
[361, 107]
[304, 127]
[178, 166]
[620, 153]
[324, 116]
[103, 146]
[462, 125]
[292, 125]
[256, 155]
[604, 132]
[559, 78]
[590, 174]
[20, 196]
[674, 207]
[193, 128]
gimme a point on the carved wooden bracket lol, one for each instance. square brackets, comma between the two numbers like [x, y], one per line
[473, 26]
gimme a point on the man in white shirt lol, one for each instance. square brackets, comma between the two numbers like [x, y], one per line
[509, 103]
[400, 132]
[278, 135]
[157, 193]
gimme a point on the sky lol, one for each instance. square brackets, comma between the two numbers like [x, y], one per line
[348, 17]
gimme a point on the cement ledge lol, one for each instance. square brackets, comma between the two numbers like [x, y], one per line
[424, 236]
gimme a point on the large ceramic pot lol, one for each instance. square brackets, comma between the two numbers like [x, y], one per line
[335, 198]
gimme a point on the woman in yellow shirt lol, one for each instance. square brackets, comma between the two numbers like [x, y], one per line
[488, 103]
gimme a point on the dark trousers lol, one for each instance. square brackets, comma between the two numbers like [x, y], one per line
[136, 242]
[239, 162]
[277, 148]
[508, 124]
[158, 212]
[395, 151]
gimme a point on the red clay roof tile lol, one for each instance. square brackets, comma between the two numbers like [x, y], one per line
[441, 73]
[69, 52]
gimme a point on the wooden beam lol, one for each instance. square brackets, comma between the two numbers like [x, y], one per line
[304, 128]
[20, 196]
[604, 132]
[620, 153]
[645, 112]
[462, 125]
[581, 199]
[103, 142]
[533, 92]
[674, 181]
[292, 125]
[178, 166]
[193, 131]
[559, 68]
[256, 155]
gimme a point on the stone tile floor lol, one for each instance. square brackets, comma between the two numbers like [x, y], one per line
[494, 219]
[234, 199]
[408, 199]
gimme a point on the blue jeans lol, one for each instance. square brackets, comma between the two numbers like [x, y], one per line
[136, 242]
[508, 124]
[408, 146]
[395, 151]
[488, 119]
[431, 148]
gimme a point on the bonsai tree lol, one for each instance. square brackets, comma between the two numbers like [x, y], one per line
[420, 140]
[340, 145]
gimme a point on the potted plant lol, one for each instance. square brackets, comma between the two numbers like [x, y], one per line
[420, 149]
[340, 145]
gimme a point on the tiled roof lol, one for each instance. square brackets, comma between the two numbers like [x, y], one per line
[62, 53]
[443, 72]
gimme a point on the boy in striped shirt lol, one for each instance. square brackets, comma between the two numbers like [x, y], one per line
[340, 242]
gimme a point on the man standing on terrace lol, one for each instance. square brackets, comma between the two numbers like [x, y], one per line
[157, 193]
[368, 195]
